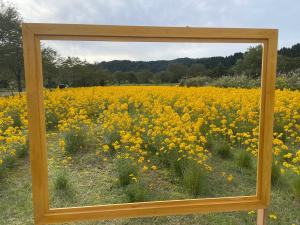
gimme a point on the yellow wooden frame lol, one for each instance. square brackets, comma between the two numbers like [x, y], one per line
[34, 33]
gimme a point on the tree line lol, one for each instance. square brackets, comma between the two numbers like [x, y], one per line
[75, 72]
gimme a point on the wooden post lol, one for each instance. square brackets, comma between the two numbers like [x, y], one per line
[261, 217]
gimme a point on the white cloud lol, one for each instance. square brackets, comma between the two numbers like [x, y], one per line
[207, 13]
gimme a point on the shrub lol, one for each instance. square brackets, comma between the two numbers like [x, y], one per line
[236, 82]
[61, 181]
[196, 81]
[194, 179]
[296, 187]
[275, 176]
[244, 159]
[290, 81]
[127, 171]
[137, 192]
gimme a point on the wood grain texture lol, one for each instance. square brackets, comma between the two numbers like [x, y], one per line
[33, 33]
[74, 31]
[151, 209]
[36, 123]
[261, 217]
[266, 119]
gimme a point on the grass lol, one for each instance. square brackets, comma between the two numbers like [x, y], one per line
[223, 150]
[127, 171]
[244, 159]
[276, 175]
[194, 179]
[296, 187]
[61, 181]
[92, 181]
[76, 140]
[137, 192]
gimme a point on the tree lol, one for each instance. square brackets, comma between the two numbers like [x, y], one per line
[72, 70]
[11, 60]
[178, 70]
[197, 69]
[250, 64]
[144, 76]
[51, 63]
[293, 51]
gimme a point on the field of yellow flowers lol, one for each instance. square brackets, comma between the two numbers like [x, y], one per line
[139, 122]
[144, 130]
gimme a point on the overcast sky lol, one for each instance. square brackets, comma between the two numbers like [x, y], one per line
[281, 14]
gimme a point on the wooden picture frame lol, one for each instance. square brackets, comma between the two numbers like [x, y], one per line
[34, 33]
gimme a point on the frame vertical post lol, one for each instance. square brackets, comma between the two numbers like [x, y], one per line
[262, 217]
[36, 123]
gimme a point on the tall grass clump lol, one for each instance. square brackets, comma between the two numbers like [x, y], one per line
[244, 159]
[61, 181]
[296, 187]
[223, 150]
[194, 179]
[275, 176]
[76, 140]
[127, 171]
[137, 192]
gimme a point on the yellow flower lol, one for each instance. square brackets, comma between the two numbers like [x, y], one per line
[145, 168]
[153, 167]
[251, 212]
[288, 155]
[229, 178]
[105, 148]
[273, 216]
[61, 143]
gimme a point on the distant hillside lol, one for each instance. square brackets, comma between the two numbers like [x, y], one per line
[162, 65]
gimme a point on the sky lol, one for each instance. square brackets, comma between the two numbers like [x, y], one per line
[283, 15]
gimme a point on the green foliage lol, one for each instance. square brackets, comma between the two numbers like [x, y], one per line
[137, 192]
[275, 176]
[61, 180]
[194, 179]
[178, 167]
[2, 171]
[293, 51]
[236, 82]
[76, 140]
[244, 159]
[291, 81]
[126, 171]
[11, 61]
[251, 62]
[296, 187]
[196, 81]
[223, 150]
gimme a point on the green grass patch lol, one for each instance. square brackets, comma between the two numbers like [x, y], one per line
[138, 192]
[194, 179]
[127, 171]
[244, 159]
